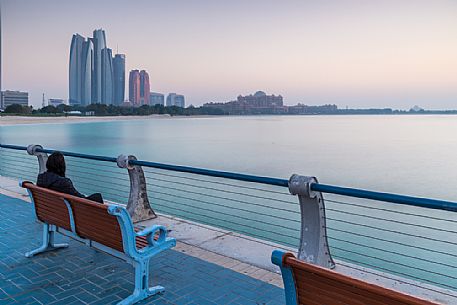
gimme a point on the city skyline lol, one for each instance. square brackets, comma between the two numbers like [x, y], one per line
[350, 53]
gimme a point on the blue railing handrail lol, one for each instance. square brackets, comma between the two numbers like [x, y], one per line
[386, 197]
[318, 187]
[66, 153]
[214, 173]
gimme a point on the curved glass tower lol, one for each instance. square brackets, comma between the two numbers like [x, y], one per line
[80, 72]
[99, 41]
[107, 87]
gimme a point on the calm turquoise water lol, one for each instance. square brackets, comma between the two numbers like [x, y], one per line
[412, 155]
[405, 154]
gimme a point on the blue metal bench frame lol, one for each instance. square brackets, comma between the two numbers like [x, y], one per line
[287, 277]
[139, 258]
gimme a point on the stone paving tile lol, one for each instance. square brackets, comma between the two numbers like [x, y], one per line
[81, 275]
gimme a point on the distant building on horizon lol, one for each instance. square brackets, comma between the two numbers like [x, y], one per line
[134, 87]
[177, 100]
[119, 79]
[91, 71]
[9, 98]
[257, 103]
[56, 102]
[156, 99]
[139, 87]
[261, 99]
[145, 88]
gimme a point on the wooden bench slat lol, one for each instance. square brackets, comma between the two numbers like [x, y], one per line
[51, 209]
[336, 288]
[95, 223]
[309, 289]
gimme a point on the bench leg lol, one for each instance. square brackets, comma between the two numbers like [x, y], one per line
[142, 289]
[48, 242]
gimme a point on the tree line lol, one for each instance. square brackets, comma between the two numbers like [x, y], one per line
[109, 110]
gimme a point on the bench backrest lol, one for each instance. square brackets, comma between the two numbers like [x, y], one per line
[312, 284]
[49, 207]
[91, 220]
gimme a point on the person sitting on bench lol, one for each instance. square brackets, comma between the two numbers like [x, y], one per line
[54, 178]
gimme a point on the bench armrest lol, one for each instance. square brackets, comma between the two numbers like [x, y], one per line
[150, 232]
[290, 291]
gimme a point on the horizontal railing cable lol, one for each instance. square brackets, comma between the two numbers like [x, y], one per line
[391, 252]
[222, 198]
[237, 216]
[391, 231]
[365, 255]
[220, 183]
[391, 241]
[388, 210]
[225, 191]
[376, 267]
[236, 209]
[391, 220]
[172, 212]
[396, 279]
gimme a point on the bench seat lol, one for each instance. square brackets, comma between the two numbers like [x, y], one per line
[309, 284]
[106, 227]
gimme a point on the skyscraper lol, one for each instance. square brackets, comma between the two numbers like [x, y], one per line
[107, 77]
[86, 72]
[91, 71]
[80, 72]
[119, 79]
[144, 88]
[99, 41]
[134, 87]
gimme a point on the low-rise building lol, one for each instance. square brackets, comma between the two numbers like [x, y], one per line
[177, 100]
[14, 97]
[258, 103]
[56, 102]
[156, 99]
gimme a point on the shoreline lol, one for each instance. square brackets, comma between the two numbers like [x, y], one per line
[28, 120]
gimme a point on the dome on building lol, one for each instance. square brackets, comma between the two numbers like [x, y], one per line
[259, 94]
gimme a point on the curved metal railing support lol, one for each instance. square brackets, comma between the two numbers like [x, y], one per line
[34, 150]
[313, 235]
[138, 205]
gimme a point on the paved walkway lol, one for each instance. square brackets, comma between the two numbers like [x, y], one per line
[81, 275]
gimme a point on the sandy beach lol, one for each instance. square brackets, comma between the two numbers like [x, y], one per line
[20, 120]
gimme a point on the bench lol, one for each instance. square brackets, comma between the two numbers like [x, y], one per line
[313, 285]
[106, 227]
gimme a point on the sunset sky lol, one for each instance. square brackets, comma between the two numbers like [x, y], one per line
[350, 53]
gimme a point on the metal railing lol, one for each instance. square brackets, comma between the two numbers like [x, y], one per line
[410, 237]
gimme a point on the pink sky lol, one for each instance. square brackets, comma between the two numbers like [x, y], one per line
[351, 53]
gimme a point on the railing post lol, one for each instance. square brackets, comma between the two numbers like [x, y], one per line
[138, 205]
[42, 157]
[313, 236]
